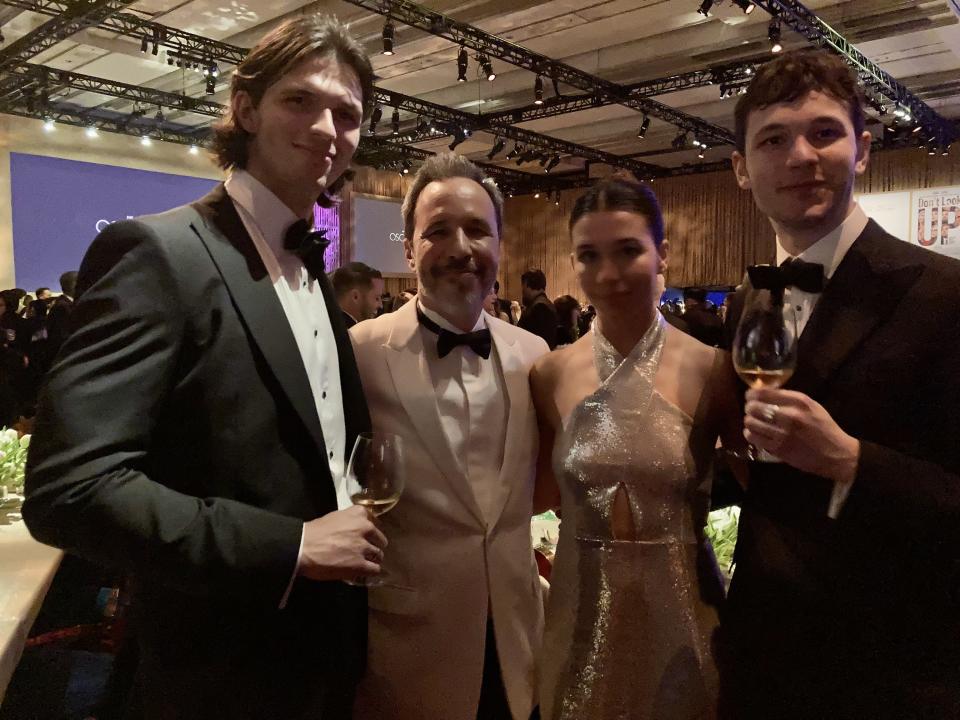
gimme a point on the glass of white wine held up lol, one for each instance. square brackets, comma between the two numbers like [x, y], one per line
[375, 477]
[765, 345]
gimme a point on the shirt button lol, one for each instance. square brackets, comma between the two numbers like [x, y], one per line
[799, 308]
[304, 283]
[323, 395]
[331, 454]
[314, 333]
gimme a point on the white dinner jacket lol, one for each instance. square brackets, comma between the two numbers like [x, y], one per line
[446, 567]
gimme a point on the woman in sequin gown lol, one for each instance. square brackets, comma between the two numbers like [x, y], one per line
[629, 417]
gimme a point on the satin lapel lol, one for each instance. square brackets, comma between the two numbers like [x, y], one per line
[863, 292]
[407, 362]
[517, 384]
[222, 232]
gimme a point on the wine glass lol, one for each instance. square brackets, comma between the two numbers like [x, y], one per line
[375, 477]
[765, 346]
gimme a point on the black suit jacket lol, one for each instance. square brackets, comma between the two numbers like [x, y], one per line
[704, 325]
[178, 440]
[859, 617]
[540, 318]
[348, 321]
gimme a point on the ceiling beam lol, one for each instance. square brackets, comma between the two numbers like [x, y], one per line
[435, 23]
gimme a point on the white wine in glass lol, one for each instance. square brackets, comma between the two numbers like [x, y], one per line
[375, 477]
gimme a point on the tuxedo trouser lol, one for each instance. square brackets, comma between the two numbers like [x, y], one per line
[493, 696]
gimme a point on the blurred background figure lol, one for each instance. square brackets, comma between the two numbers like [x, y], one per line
[702, 320]
[568, 318]
[359, 289]
[539, 316]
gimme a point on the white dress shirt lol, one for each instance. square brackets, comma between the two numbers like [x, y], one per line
[828, 251]
[266, 219]
[473, 404]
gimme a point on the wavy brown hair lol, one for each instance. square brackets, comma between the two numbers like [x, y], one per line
[273, 57]
[792, 76]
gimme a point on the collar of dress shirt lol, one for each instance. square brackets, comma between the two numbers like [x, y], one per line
[446, 325]
[270, 214]
[830, 249]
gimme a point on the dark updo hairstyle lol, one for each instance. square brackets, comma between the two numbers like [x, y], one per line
[618, 194]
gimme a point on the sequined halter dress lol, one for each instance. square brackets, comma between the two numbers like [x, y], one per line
[631, 620]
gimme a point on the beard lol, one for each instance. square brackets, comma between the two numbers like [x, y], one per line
[448, 285]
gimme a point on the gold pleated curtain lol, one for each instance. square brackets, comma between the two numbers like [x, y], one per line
[714, 228]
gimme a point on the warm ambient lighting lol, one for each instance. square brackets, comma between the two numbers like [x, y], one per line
[49, 125]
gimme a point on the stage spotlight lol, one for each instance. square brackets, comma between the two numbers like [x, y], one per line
[159, 116]
[388, 38]
[143, 44]
[406, 167]
[211, 85]
[773, 33]
[498, 145]
[459, 135]
[375, 118]
[91, 131]
[462, 64]
[538, 91]
[486, 67]
[703, 150]
[145, 141]
[517, 150]
[552, 163]
[745, 5]
[49, 125]
[644, 126]
[704, 8]
[193, 150]
[395, 121]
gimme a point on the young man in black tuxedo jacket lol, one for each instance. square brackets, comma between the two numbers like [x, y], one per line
[195, 428]
[845, 602]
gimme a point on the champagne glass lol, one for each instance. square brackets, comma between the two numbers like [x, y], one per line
[375, 477]
[765, 346]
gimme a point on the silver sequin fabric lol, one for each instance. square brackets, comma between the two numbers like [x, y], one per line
[629, 627]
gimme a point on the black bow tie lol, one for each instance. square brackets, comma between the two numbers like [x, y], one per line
[307, 245]
[792, 273]
[478, 341]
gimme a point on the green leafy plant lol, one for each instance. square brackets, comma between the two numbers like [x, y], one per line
[13, 459]
[721, 531]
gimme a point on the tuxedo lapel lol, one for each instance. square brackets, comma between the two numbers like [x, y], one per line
[516, 383]
[407, 361]
[863, 292]
[221, 230]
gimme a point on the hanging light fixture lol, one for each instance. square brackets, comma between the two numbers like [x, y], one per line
[462, 64]
[395, 121]
[538, 91]
[498, 145]
[704, 8]
[773, 33]
[745, 5]
[387, 38]
[644, 126]
[375, 118]
[487, 67]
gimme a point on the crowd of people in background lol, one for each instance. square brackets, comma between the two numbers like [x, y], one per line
[33, 326]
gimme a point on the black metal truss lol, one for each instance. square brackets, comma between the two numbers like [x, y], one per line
[732, 74]
[527, 138]
[178, 41]
[872, 76]
[73, 16]
[472, 37]
[386, 150]
[42, 80]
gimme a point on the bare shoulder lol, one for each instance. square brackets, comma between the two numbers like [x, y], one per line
[689, 352]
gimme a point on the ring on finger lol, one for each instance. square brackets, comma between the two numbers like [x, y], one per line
[769, 413]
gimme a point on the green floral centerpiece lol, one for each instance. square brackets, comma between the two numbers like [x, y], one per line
[721, 531]
[13, 459]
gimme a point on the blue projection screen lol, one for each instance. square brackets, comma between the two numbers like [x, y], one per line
[59, 206]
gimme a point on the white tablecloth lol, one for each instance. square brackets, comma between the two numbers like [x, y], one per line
[26, 571]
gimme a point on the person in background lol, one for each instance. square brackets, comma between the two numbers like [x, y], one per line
[194, 431]
[568, 319]
[491, 306]
[539, 316]
[359, 289]
[43, 293]
[59, 316]
[845, 603]
[702, 321]
[13, 359]
[503, 305]
[455, 627]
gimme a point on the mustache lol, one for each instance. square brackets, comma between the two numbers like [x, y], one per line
[455, 266]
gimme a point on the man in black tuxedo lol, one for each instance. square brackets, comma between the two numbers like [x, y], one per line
[539, 315]
[59, 316]
[195, 429]
[845, 602]
[359, 291]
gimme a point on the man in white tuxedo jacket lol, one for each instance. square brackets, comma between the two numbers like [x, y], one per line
[455, 625]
